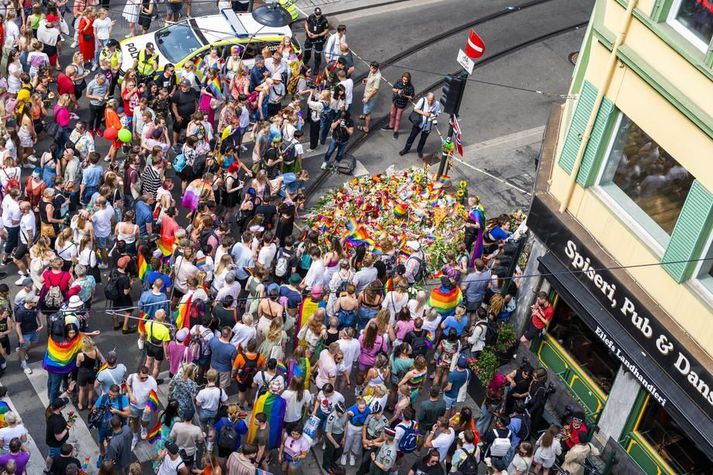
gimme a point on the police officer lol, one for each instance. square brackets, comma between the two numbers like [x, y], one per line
[146, 63]
[112, 55]
[316, 29]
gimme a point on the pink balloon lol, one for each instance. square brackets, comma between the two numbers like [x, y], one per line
[110, 133]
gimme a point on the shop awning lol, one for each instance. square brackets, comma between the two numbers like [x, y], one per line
[688, 415]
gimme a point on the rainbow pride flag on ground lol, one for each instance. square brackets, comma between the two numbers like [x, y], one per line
[60, 357]
[444, 301]
[273, 406]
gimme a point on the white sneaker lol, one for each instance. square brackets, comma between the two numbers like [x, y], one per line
[352, 462]
[324, 167]
[343, 460]
[103, 266]
[73, 116]
[32, 159]
[25, 368]
[20, 280]
[243, 148]
[106, 159]
[324, 446]
[74, 44]
[143, 433]
[94, 67]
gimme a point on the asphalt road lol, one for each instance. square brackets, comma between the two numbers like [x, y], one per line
[488, 112]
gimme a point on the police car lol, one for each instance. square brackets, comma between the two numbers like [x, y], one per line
[192, 38]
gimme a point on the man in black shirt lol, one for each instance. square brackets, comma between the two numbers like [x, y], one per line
[342, 129]
[65, 459]
[225, 313]
[166, 78]
[183, 105]
[57, 430]
[27, 327]
[268, 210]
[316, 30]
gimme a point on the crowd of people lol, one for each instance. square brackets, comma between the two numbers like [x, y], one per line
[275, 337]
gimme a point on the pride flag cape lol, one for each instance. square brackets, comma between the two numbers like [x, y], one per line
[191, 198]
[142, 323]
[273, 406]
[60, 357]
[477, 215]
[183, 316]
[299, 370]
[308, 307]
[444, 301]
[144, 267]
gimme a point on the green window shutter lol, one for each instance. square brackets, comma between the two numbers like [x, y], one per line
[593, 154]
[690, 233]
[577, 126]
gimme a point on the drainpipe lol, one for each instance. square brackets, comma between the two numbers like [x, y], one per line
[610, 69]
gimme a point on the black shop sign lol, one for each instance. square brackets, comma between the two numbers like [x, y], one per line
[637, 320]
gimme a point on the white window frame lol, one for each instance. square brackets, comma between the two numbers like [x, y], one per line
[682, 29]
[704, 283]
[624, 208]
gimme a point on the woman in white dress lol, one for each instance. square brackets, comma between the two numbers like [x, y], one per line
[131, 14]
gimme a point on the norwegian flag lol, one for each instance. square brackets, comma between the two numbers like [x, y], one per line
[457, 136]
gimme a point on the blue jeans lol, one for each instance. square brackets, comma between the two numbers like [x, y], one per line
[340, 147]
[88, 193]
[54, 381]
[484, 422]
[324, 124]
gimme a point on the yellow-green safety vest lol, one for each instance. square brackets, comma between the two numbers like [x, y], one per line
[113, 58]
[147, 64]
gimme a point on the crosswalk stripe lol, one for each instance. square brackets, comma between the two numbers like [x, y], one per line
[36, 464]
[79, 436]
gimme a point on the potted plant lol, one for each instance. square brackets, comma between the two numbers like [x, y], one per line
[487, 364]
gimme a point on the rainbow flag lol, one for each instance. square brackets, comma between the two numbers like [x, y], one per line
[199, 63]
[183, 317]
[142, 323]
[60, 358]
[153, 402]
[154, 434]
[144, 267]
[273, 406]
[303, 369]
[308, 307]
[103, 367]
[165, 245]
[430, 341]
[200, 262]
[4, 409]
[215, 89]
[281, 368]
[444, 301]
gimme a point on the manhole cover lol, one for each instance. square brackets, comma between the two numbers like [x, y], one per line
[573, 57]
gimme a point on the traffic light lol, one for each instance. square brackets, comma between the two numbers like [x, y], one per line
[452, 93]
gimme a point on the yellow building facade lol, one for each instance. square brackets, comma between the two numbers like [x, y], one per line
[623, 224]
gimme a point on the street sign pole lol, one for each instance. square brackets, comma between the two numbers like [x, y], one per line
[446, 152]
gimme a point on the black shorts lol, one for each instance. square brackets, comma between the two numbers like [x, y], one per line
[86, 376]
[531, 332]
[20, 251]
[153, 351]
[244, 387]
[179, 125]
[175, 7]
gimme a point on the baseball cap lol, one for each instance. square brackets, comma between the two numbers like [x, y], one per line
[273, 289]
[389, 432]
[27, 282]
[317, 11]
[185, 82]
[339, 407]
[376, 407]
[462, 361]
[182, 334]
[31, 298]
[59, 403]
[149, 46]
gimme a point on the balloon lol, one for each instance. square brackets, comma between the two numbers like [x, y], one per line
[125, 135]
[110, 133]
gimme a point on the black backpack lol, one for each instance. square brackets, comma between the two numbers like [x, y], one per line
[205, 235]
[228, 436]
[418, 343]
[55, 322]
[111, 291]
[524, 432]
[248, 372]
[469, 465]
[491, 333]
